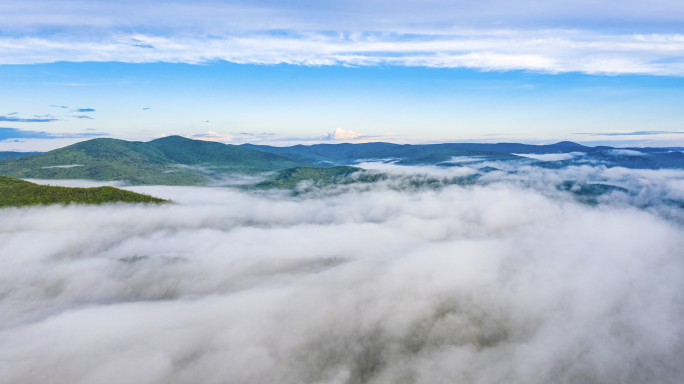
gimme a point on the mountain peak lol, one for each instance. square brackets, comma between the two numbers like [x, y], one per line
[567, 144]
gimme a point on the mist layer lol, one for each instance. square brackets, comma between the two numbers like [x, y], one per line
[509, 280]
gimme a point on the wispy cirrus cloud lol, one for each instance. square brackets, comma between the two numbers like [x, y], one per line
[548, 51]
[636, 133]
[16, 133]
[83, 110]
[29, 120]
[558, 36]
[216, 16]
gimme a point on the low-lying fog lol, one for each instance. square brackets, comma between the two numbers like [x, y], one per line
[508, 281]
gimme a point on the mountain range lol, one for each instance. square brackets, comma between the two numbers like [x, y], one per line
[176, 160]
[172, 160]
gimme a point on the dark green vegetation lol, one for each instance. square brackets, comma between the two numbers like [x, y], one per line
[170, 160]
[289, 178]
[345, 175]
[345, 154]
[16, 192]
[14, 155]
[588, 193]
[592, 190]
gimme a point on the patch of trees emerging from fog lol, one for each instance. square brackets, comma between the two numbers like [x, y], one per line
[18, 193]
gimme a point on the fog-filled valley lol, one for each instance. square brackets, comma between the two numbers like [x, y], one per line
[341, 192]
[520, 275]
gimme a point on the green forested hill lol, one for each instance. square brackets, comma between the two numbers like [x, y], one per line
[16, 192]
[171, 160]
[289, 178]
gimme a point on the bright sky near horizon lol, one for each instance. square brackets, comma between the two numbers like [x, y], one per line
[289, 72]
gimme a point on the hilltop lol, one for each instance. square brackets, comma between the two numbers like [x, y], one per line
[17, 193]
[172, 160]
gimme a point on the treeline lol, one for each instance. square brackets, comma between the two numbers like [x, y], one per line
[18, 193]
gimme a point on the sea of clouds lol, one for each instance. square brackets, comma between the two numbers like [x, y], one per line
[506, 281]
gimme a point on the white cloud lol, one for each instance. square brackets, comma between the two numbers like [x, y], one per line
[548, 156]
[212, 136]
[292, 15]
[625, 152]
[341, 134]
[550, 51]
[504, 282]
[63, 166]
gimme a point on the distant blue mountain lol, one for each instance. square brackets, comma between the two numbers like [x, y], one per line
[346, 154]
[562, 147]
[14, 155]
[442, 154]
[566, 144]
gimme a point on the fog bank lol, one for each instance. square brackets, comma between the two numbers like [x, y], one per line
[510, 280]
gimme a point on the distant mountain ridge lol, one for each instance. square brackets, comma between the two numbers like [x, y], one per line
[403, 154]
[172, 160]
[14, 155]
[440, 154]
[176, 160]
[561, 147]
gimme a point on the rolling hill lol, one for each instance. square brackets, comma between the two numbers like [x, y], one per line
[17, 193]
[172, 160]
[346, 154]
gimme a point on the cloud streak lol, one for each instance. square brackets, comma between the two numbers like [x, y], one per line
[16, 133]
[216, 16]
[22, 120]
[636, 133]
[547, 51]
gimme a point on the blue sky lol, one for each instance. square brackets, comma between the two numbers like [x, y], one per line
[291, 72]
